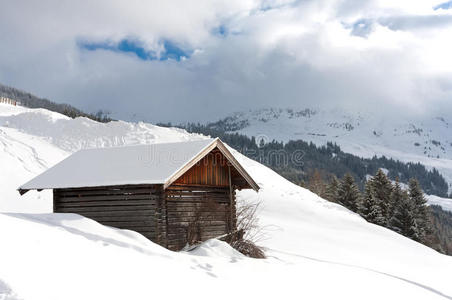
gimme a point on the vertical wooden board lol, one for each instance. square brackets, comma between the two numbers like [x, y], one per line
[210, 170]
[55, 200]
[210, 205]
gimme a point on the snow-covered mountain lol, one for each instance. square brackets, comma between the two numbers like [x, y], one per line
[316, 249]
[426, 140]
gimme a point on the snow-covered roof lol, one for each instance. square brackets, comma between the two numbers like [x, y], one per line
[141, 164]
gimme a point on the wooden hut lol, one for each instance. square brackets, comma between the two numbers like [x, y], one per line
[172, 193]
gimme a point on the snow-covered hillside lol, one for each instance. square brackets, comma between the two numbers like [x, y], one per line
[429, 137]
[316, 249]
[32, 140]
[365, 134]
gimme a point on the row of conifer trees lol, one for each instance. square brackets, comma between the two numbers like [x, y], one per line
[403, 210]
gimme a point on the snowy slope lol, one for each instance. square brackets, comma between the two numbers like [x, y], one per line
[317, 249]
[426, 140]
[32, 140]
[426, 137]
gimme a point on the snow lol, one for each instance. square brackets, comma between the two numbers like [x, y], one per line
[138, 164]
[216, 248]
[316, 249]
[445, 203]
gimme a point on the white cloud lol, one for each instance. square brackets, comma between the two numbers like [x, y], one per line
[278, 53]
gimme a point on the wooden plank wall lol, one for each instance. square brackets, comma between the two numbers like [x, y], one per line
[211, 170]
[134, 207]
[195, 208]
[197, 213]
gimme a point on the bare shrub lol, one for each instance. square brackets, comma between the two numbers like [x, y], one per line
[244, 232]
[248, 233]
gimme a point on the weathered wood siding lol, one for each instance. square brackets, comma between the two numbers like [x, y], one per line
[211, 170]
[172, 218]
[197, 213]
[134, 207]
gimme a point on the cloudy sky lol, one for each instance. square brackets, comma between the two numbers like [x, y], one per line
[199, 60]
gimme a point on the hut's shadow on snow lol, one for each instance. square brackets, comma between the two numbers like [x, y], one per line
[58, 221]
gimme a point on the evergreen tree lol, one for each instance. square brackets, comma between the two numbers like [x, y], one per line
[403, 220]
[420, 209]
[331, 190]
[394, 199]
[348, 193]
[369, 209]
[382, 189]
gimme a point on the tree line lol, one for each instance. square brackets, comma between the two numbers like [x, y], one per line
[403, 210]
[31, 101]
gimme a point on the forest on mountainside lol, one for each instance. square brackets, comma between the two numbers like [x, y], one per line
[295, 160]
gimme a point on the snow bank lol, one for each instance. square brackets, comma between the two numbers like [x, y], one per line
[215, 248]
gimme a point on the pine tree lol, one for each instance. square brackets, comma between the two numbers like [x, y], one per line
[403, 220]
[369, 209]
[394, 198]
[348, 193]
[331, 190]
[420, 209]
[382, 189]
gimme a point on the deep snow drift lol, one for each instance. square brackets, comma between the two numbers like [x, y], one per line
[316, 249]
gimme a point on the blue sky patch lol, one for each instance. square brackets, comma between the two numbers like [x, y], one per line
[171, 50]
[361, 28]
[445, 5]
[220, 31]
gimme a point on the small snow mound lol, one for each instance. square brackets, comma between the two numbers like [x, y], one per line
[216, 248]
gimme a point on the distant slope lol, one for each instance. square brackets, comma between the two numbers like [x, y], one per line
[365, 134]
[32, 101]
